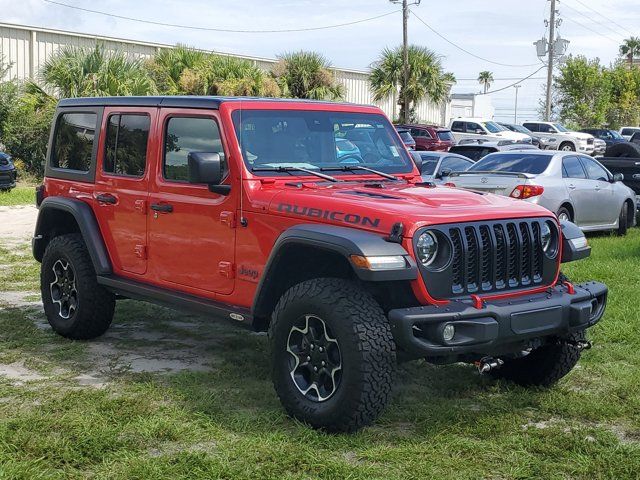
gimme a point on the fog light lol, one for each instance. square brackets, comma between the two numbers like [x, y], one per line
[448, 332]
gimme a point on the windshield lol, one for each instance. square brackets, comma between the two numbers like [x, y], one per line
[560, 128]
[318, 139]
[493, 127]
[615, 135]
[512, 162]
[445, 135]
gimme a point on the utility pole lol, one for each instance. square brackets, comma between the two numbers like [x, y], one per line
[552, 38]
[405, 53]
[515, 111]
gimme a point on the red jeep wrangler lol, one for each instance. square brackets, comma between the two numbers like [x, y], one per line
[247, 209]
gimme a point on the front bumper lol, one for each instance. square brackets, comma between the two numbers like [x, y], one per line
[7, 179]
[500, 326]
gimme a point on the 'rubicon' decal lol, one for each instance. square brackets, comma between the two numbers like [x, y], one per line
[351, 218]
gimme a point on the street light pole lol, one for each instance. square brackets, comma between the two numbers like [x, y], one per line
[552, 33]
[405, 58]
[515, 111]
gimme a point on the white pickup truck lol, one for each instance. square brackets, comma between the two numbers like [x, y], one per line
[483, 129]
[557, 137]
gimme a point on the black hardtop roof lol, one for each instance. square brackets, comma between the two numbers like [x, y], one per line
[177, 101]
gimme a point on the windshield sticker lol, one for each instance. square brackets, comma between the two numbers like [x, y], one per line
[394, 151]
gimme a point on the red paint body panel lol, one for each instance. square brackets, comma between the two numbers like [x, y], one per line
[200, 246]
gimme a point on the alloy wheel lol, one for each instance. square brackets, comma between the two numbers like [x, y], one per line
[63, 288]
[315, 361]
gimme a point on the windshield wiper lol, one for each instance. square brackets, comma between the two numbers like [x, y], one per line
[289, 169]
[351, 168]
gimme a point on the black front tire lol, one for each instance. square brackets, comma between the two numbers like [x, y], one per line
[366, 346]
[92, 305]
[623, 220]
[545, 365]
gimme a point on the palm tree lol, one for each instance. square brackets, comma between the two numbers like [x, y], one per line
[95, 72]
[630, 49]
[485, 78]
[167, 66]
[426, 78]
[307, 75]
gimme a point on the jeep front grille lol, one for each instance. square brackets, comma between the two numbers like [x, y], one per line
[491, 256]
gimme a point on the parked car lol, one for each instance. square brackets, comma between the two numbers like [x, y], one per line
[407, 139]
[240, 209]
[430, 137]
[8, 172]
[610, 137]
[627, 132]
[575, 187]
[483, 129]
[624, 159]
[477, 149]
[635, 138]
[557, 137]
[599, 147]
[437, 166]
[535, 141]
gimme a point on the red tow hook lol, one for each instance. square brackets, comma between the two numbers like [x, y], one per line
[570, 288]
[477, 302]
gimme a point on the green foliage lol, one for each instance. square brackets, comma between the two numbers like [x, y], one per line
[588, 94]
[630, 49]
[485, 78]
[8, 96]
[307, 75]
[427, 80]
[95, 72]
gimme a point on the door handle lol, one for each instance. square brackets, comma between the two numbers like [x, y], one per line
[106, 198]
[597, 188]
[571, 186]
[162, 207]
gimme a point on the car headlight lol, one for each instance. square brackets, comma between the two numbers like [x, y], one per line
[427, 248]
[549, 239]
[545, 237]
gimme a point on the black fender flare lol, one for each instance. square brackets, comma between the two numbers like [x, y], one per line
[89, 229]
[344, 241]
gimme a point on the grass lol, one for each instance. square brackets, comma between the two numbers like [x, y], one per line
[20, 195]
[226, 422]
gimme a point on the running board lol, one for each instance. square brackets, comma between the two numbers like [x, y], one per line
[175, 300]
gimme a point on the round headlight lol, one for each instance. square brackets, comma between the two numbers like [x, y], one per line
[545, 237]
[427, 248]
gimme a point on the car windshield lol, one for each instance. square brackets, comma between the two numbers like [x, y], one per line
[560, 128]
[615, 135]
[445, 135]
[512, 162]
[318, 139]
[493, 127]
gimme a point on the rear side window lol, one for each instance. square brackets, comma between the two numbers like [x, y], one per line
[126, 145]
[420, 133]
[73, 141]
[457, 127]
[531, 126]
[571, 168]
[189, 134]
[445, 135]
[513, 162]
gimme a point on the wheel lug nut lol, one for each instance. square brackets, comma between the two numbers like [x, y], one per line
[323, 364]
[315, 369]
[320, 349]
[308, 358]
[312, 346]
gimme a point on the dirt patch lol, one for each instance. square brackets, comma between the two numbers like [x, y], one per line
[17, 224]
[18, 373]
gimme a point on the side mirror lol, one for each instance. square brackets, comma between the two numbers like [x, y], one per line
[206, 167]
[618, 177]
[444, 172]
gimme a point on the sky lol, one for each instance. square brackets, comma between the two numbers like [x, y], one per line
[502, 31]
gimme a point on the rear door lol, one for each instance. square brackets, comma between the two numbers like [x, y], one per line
[424, 140]
[191, 230]
[579, 189]
[121, 186]
[604, 205]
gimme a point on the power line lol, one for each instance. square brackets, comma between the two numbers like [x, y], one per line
[589, 28]
[516, 83]
[467, 51]
[215, 29]
[605, 17]
[498, 79]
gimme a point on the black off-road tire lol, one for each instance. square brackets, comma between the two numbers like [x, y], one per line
[623, 220]
[545, 365]
[366, 345]
[95, 305]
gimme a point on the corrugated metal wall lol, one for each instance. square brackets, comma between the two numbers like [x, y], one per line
[27, 49]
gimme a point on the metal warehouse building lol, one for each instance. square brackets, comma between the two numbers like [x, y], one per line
[27, 49]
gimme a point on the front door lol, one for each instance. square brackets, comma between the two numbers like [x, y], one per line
[191, 230]
[121, 186]
[604, 207]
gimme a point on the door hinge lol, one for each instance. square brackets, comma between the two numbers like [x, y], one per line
[228, 219]
[141, 251]
[140, 206]
[226, 269]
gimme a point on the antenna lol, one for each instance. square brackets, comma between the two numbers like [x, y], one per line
[243, 221]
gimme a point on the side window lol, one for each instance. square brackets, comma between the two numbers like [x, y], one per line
[126, 145]
[531, 126]
[189, 134]
[73, 141]
[571, 168]
[472, 127]
[457, 127]
[455, 164]
[594, 170]
[544, 128]
[420, 133]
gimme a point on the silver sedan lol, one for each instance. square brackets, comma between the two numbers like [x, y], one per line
[437, 166]
[573, 186]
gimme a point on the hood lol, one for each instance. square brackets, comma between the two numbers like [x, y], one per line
[377, 209]
[510, 135]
